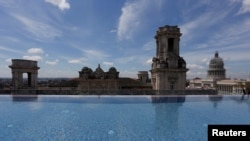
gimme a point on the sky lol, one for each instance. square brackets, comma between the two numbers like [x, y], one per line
[64, 36]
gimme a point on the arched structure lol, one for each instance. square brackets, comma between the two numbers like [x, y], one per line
[18, 68]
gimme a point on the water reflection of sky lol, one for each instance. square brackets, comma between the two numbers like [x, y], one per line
[118, 117]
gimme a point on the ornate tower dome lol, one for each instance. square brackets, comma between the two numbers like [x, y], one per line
[99, 73]
[168, 68]
[113, 73]
[216, 68]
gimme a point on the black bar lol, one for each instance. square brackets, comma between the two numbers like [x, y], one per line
[226, 132]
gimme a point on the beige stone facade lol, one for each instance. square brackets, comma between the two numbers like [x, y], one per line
[168, 68]
[230, 86]
[202, 83]
[143, 76]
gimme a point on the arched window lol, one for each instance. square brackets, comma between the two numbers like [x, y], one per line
[170, 44]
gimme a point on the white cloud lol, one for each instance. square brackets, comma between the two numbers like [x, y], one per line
[52, 62]
[205, 61]
[9, 38]
[108, 63]
[35, 51]
[231, 36]
[202, 46]
[113, 31]
[194, 74]
[149, 61]
[8, 60]
[189, 26]
[231, 40]
[149, 46]
[245, 7]
[61, 4]
[137, 60]
[94, 54]
[126, 60]
[77, 61]
[55, 72]
[208, 19]
[130, 18]
[34, 57]
[9, 49]
[40, 30]
[192, 28]
[194, 66]
[236, 55]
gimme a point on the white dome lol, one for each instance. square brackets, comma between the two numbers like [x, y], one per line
[216, 67]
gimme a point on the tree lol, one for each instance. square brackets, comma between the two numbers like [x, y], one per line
[245, 86]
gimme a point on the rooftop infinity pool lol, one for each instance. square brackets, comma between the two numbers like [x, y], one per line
[117, 118]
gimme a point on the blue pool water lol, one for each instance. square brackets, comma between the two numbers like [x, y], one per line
[117, 118]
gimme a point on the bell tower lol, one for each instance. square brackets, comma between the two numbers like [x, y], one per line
[168, 68]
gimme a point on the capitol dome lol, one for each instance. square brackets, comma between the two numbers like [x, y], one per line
[216, 67]
[216, 62]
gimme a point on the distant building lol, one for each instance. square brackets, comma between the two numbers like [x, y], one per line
[143, 76]
[215, 72]
[216, 68]
[230, 86]
[216, 79]
[110, 80]
[168, 68]
[98, 79]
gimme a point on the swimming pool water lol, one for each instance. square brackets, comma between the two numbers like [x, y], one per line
[117, 118]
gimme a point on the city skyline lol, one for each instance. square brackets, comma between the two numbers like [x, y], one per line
[66, 35]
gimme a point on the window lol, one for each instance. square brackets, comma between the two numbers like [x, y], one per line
[170, 44]
[171, 85]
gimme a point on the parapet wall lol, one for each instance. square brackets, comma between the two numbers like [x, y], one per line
[111, 92]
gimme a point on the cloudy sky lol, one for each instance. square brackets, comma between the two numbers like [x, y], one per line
[66, 35]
